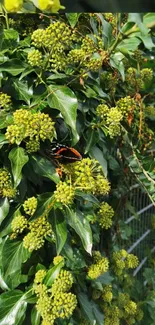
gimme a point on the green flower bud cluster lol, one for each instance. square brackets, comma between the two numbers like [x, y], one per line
[19, 224]
[149, 111]
[102, 111]
[35, 126]
[38, 37]
[130, 308]
[39, 228]
[123, 299]
[111, 314]
[55, 302]
[62, 283]
[107, 293]
[32, 145]
[114, 118]
[58, 259]
[87, 175]
[110, 118]
[110, 81]
[64, 193]
[35, 58]
[111, 18]
[105, 215]
[96, 256]
[6, 189]
[139, 79]
[5, 101]
[30, 206]
[39, 276]
[138, 55]
[93, 64]
[123, 260]
[99, 268]
[126, 105]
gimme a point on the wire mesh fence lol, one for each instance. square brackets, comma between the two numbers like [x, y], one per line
[142, 240]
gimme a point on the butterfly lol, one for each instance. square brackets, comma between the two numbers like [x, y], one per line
[63, 154]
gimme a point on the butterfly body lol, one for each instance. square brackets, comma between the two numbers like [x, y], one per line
[63, 154]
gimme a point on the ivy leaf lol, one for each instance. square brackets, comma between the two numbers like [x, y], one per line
[73, 18]
[91, 310]
[18, 159]
[81, 227]
[13, 66]
[13, 256]
[61, 230]
[35, 316]
[4, 209]
[63, 99]
[52, 274]
[12, 307]
[98, 155]
[43, 167]
[116, 62]
[23, 91]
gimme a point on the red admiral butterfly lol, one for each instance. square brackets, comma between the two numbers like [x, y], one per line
[64, 154]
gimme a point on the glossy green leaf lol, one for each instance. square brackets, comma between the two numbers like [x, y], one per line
[82, 228]
[10, 39]
[98, 155]
[137, 18]
[23, 91]
[91, 310]
[73, 18]
[43, 167]
[116, 62]
[63, 99]
[12, 307]
[149, 19]
[13, 67]
[4, 208]
[129, 44]
[5, 120]
[18, 159]
[53, 273]
[13, 256]
[61, 230]
[35, 316]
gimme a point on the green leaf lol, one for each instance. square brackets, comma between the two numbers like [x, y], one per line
[13, 256]
[13, 66]
[149, 19]
[98, 155]
[63, 99]
[73, 18]
[18, 159]
[35, 316]
[81, 227]
[61, 230]
[137, 19]
[91, 310]
[4, 209]
[23, 91]
[52, 274]
[106, 278]
[12, 307]
[129, 44]
[5, 120]
[116, 62]
[43, 167]
[10, 39]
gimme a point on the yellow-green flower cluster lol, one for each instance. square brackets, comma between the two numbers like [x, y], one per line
[87, 175]
[139, 79]
[35, 126]
[111, 18]
[35, 58]
[30, 206]
[111, 314]
[126, 105]
[39, 276]
[107, 293]
[62, 283]
[6, 189]
[64, 193]
[55, 302]
[58, 259]
[105, 215]
[110, 119]
[130, 308]
[19, 224]
[122, 260]
[39, 228]
[149, 111]
[97, 269]
[5, 101]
